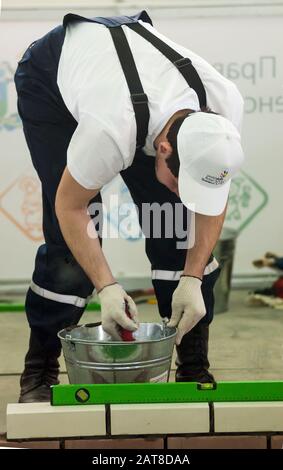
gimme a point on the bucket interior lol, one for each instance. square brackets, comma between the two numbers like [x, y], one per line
[94, 333]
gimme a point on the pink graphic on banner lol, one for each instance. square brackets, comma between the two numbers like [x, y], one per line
[20, 202]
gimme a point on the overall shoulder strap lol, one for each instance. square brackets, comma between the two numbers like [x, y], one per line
[183, 64]
[138, 96]
[108, 21]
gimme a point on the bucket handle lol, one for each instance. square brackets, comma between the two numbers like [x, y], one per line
[71, 327]
[68, 337]
[92, 325]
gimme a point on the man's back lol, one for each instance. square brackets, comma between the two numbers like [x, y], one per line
[95, 91]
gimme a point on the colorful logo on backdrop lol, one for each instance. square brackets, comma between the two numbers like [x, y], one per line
[246, 199]
[9, 118]
[128, 226]
[26, 215]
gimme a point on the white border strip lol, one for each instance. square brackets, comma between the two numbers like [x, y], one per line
[61, 298]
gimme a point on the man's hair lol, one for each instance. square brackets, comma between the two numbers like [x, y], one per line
[173, 161]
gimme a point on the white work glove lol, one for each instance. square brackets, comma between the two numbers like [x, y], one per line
[113, 300]
[187, 306]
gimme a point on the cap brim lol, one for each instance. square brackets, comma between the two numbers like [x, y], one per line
[201, 199]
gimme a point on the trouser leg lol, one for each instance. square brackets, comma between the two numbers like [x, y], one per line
[57, 273]
[168, 260]
[192, 354]
[60, 288]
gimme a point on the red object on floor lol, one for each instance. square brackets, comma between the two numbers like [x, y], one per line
[278, 287]
[127, 335]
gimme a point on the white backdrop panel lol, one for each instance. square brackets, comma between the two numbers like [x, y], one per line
[236, 45]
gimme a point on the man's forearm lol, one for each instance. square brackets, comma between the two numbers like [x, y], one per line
[207, 232]
[86, 250]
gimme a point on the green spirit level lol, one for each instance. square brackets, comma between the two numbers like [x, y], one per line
[8, 307]
[97, 394]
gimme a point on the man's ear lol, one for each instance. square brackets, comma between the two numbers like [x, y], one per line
[165, 148]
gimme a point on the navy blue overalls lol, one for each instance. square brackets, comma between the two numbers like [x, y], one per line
[60, 289]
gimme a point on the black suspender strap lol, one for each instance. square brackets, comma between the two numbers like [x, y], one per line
[183, 64]
[138, 97]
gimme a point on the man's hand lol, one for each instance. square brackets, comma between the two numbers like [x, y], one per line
[187, 306]
[113, 300]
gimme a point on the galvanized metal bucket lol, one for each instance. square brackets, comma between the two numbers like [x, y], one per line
[92, 356]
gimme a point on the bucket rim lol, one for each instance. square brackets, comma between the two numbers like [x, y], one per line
[113, 342]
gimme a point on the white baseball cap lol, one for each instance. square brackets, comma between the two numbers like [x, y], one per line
[210, 153]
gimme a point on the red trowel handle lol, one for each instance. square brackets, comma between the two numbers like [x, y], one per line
[127, 335]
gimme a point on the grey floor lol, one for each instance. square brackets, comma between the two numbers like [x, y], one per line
[246, 343]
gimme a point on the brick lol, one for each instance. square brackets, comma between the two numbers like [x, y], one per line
[115, 443]
[218, 442]
[248, 416]
[277, 442]
[29, 444]
[166, 418]
[41, 420]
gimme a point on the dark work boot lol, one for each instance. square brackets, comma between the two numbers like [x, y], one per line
[192, 356]
[40, 372]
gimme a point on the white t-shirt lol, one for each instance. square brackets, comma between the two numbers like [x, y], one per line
[94, 89]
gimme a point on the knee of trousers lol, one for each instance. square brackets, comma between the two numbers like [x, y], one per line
[46, 317]
[59, 291]
[58, 272]
[164, 290]
[207, 288]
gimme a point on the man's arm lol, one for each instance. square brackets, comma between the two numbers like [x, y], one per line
[71, 209]
[207, 232]
[187, 304]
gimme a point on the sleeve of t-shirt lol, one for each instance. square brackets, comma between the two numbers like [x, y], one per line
[93, 157]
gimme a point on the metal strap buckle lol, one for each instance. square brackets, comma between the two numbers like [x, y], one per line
[139, 98]
[183, 62]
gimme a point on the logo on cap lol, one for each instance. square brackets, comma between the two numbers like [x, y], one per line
[216, 180]
[224, 174]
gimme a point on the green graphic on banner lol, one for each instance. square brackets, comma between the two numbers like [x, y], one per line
[9, 121]
[247, 198]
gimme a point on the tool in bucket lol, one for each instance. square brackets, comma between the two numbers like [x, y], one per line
[127, 335]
